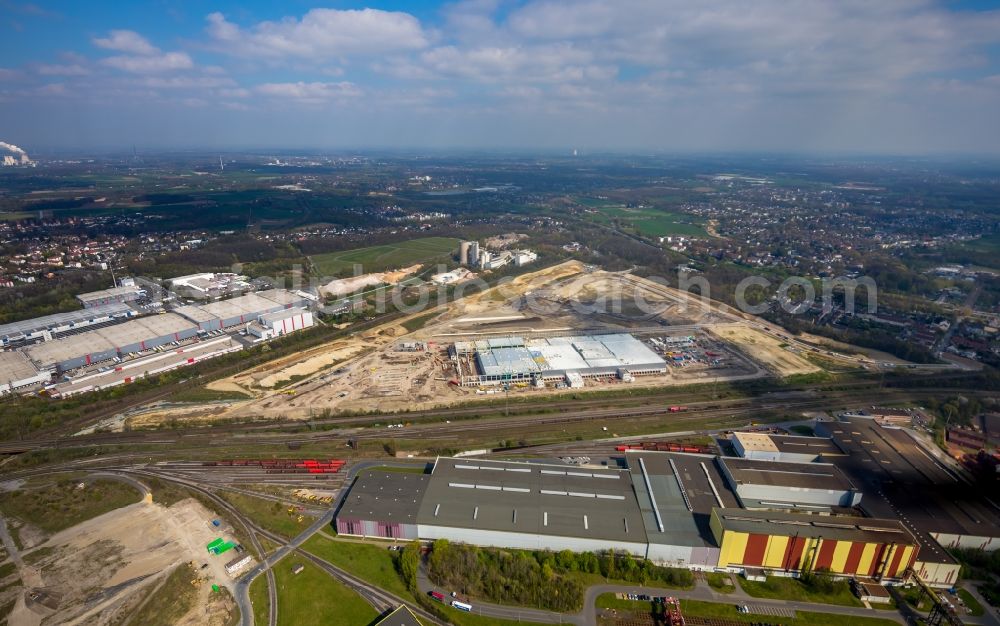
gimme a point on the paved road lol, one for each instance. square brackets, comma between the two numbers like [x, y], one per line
[588, 616]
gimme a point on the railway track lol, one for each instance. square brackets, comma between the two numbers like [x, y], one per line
[243, 433]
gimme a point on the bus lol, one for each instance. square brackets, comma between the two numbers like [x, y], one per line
[462, 606]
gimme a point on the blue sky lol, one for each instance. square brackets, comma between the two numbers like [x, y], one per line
[845, 76]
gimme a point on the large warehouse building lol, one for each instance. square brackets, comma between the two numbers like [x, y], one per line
[241, 310]
[516, 359]
[384, 504]
[673, 508]
[49, 326]
[17, 372]
[94, 346]
[120, 295]
[787, 485]
[531, 506]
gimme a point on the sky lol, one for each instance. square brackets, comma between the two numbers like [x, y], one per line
[665, 76]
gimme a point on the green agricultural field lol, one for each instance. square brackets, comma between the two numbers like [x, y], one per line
[379, 258]
[64, 504]
[646, 221]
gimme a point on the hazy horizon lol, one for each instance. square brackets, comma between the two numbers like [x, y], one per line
[894, 78]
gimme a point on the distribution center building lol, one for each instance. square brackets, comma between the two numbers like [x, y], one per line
[110, 296]
[48, 326]
[241, 310]
[513, 358]
[107, 343]
[17, 371]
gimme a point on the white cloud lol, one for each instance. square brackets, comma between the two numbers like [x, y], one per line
[127, 41]
[187, 82]
[169, 61]
[558, 62]
[73, 69]
[309, 93]
[321, 34]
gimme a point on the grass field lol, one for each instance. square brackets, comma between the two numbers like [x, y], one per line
[171, 600]
[314, 597]
[646, 221]
[273, 516]
[780, 588]
[61, 505]
[379, 258]
[258, 599]
[372, 562]
[720, 582]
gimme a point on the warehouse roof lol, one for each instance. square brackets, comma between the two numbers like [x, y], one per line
[686, 488]
[195, 313]
[391, 497]
[15, 367]
[60, 319]
[767, 442]
[280, 296]
[108, 293]
[785, 474]
[283, 314]
[859, 529]
[531, 498]
[108, 338]
[512, 355]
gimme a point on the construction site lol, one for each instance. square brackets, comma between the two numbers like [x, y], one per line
[548, 332]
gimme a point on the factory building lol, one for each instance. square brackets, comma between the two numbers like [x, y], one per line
[281, 322]
[94, 346]
[382, 504]
[512, 358]
[769, 447]
[817, 487]
[121, 295]
[792, 542]
[676, 495]
[241, 310]
[17, 372]
[463, 252]
[48, 326]
[531, 506]
[675, 509]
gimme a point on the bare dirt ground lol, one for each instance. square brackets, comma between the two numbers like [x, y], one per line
[101, 569]
[765, 349]
[346, 286]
